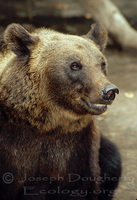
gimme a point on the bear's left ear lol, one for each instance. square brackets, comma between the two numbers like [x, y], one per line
[19, 40]
[98, 34]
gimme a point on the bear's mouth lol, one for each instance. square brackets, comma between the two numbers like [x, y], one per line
[96, 106]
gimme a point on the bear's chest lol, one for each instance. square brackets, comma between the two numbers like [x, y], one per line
[65, 154]
[54, 155]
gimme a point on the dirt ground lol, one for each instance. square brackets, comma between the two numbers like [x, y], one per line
[119, 123]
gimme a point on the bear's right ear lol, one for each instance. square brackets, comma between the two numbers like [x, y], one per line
[98, 34]
[19, 40]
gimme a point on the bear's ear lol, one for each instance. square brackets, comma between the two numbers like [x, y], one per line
[99, 35]
[19, 40]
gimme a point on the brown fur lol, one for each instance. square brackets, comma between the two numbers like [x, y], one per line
[41, 100]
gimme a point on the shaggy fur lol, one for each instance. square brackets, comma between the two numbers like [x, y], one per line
[50, 87]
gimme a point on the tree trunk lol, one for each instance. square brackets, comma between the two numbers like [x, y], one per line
[119, 29]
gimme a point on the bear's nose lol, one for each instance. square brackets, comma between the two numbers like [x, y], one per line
[109, 92]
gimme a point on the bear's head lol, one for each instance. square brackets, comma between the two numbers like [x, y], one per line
[54, 72]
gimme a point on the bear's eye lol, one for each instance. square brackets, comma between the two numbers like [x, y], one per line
[103, 67]
[75, 66]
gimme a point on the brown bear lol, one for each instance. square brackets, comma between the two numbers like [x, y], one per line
[51, 86]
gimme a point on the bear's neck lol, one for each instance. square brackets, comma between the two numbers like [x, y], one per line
[46, 120]
[65, 122]
[68, 122]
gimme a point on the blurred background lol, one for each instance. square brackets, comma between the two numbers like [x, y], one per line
[119, 123]
[73, 16]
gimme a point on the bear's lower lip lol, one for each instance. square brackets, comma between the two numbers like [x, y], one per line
[101, 107]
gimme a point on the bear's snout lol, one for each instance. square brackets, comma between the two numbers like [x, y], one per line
[109, 92]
